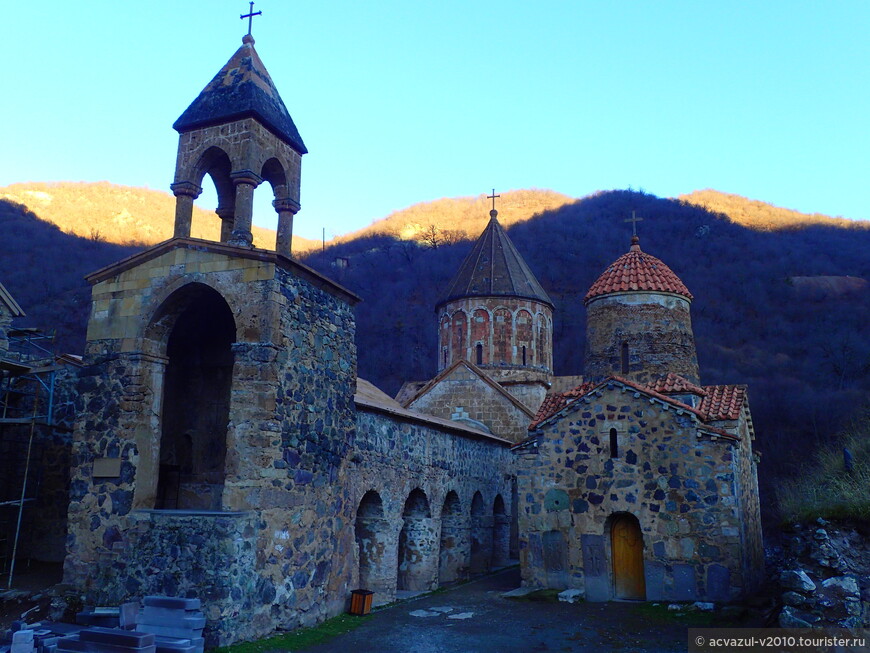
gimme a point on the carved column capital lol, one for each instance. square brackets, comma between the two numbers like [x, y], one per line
[246, 177]
[186, 188]
[286, 204]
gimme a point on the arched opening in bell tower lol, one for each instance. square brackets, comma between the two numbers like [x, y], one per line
[196, 399]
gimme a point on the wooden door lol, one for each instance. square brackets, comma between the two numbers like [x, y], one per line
[627, 554]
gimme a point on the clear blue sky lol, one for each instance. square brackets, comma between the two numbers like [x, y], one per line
[403, 102]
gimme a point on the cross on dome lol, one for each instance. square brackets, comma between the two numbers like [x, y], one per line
[250, 16]
[493, 213]
[635, 241]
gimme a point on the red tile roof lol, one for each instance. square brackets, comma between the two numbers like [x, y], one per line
[719, 401]
[674, 384]
[556, 401]
[637, 270]
[723, 401]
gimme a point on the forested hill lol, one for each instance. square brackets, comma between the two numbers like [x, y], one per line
[781, 308]
[123, 215]
[758, 316]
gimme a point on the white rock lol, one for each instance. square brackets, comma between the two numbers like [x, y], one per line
[675, 607]
[703, 606]
[571, 596]
[788, 618]
[461, 615]
[424, 613]
[846, 585]
[796, 579]
[443, 609]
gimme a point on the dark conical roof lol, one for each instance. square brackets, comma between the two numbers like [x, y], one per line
[242, 88]
[494, 267]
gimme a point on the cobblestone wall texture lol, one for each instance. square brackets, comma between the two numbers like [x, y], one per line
[701, 539]
[656, 327]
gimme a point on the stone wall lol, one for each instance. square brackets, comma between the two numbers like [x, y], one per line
[825, 576]
[397, 458]
[463, 394]
[682, 488]
[210, 555]
[657, 329]
[290, 417]
[747, 497]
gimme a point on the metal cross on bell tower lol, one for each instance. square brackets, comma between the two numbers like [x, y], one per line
[250, 16]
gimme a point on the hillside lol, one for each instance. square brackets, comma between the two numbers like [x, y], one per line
[762, 216]
[783, 311]
[447, 220]
[122, 215]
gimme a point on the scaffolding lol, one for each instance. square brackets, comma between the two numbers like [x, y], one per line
[27, 404]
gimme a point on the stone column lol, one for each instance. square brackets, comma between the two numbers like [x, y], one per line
[501, 540]
[418, 554]
[185, 192]
[481, 544]
[245, 181]
[286, 208]
[454, 551]
[376, 572]
[227, 215]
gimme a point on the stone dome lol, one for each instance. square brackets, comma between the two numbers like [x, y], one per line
[637, 271]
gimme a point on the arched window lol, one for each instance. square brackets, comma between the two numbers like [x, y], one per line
[524, 354]
[614, 444]
[479, 354]
[624, 356]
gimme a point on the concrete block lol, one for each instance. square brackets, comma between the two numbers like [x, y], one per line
[169, 631]
[172, 602]
[117, 637]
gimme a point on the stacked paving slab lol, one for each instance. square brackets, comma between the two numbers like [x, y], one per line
[174, 622]
[107, 640]
[39, 637]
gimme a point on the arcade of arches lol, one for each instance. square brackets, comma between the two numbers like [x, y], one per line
[428, 551]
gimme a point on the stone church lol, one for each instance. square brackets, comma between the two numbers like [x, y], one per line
[641, 483]
[225, 447]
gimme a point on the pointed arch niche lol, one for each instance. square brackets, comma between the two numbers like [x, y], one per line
[194, 329]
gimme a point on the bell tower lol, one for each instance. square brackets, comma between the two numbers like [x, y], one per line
[239, 133]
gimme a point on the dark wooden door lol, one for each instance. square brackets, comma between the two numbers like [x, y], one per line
[627, 549]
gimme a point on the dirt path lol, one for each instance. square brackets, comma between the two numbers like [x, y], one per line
[475, 618]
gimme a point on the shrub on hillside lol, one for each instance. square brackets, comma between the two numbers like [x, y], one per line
[826, 488]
